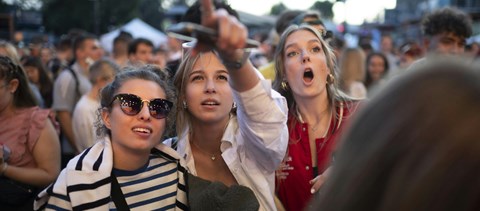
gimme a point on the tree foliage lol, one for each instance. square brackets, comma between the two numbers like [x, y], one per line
[59, 16]
[277, 9]
[325, 8]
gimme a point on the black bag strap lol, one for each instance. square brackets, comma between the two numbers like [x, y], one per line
[117, 195]
[77, 83]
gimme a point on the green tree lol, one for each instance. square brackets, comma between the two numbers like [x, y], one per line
[59, 16]
[152, 13]
[324, 7]
[277, 9]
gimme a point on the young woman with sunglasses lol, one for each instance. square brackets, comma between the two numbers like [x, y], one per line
[128, 166]
[318, 110]
[231, 125]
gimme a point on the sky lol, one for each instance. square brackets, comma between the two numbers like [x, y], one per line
[357, 10]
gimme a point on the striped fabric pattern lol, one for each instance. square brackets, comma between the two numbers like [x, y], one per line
[85, 184]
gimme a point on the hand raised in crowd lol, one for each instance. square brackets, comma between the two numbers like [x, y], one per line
[232, 34]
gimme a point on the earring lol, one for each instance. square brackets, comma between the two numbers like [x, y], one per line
[284, 86]
[330, 78]
[234, 106]
[184, 105]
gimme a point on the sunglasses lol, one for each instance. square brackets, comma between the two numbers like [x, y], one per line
[132, 105]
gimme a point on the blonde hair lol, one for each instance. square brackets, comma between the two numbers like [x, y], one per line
[335, 96]
[352, 67]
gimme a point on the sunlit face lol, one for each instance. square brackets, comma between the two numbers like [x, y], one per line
[32, 74]
[376, 67]
[208, 95]
[447, 43]
[143, 55]
[141, 132]
[305, 65]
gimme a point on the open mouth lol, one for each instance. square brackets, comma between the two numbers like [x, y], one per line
[308, 75]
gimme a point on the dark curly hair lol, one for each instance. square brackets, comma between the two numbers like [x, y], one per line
[447, 19]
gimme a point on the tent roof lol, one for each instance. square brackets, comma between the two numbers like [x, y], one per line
[138, 29]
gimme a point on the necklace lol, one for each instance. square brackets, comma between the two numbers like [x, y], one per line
[212, 155]
[314, 129]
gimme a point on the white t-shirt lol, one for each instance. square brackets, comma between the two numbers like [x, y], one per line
[83, 120]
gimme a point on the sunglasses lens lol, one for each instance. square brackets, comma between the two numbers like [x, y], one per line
[159, 108]
[130, 104]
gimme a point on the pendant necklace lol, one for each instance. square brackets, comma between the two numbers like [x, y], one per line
[212, 156]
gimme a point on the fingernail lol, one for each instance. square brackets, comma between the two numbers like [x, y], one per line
[312, 191]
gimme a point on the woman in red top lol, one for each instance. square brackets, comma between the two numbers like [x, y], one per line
[305, 75]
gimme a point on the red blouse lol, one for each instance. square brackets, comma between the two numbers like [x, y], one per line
[294, 190]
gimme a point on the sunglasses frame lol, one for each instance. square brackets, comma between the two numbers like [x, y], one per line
[166, 105]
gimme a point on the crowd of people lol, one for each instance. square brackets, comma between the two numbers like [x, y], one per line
[316, 125]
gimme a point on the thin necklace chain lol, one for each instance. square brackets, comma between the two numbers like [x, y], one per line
[212, 155]
[314, 129]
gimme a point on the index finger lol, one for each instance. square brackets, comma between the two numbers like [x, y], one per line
[207, 8]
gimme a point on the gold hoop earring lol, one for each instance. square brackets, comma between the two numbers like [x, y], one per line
[284, 86]
[330, 78]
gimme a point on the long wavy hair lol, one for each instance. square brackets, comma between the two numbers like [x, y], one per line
[336, 98]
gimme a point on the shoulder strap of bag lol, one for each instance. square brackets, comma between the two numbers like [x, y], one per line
[77, 84]
[117, 195]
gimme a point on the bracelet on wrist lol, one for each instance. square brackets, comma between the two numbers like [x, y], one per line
[238, 62]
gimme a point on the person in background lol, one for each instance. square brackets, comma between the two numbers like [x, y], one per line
[27, 132]
[140, 52]
[387, 47]
[71, 84]
[312, 18]
[160, 55]
[445, 31]
[38, 76]
[63, 56]
[409, 53]
[414, 146]
[377, 69]
[7, 49]
[128, 163]
[101, 73]
[352, 73]
[318, 110]
[120, 48]
[231, 125]
[283, 22]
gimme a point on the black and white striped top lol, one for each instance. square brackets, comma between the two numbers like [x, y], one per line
[86, 182]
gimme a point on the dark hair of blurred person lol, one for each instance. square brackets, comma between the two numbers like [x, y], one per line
[63, 56]
[194, 14]
[140, 51]
[414, 146]
[37, 74]
[445, 31]
[120, 48]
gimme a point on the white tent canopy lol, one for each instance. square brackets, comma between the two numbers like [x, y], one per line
[138, 29]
